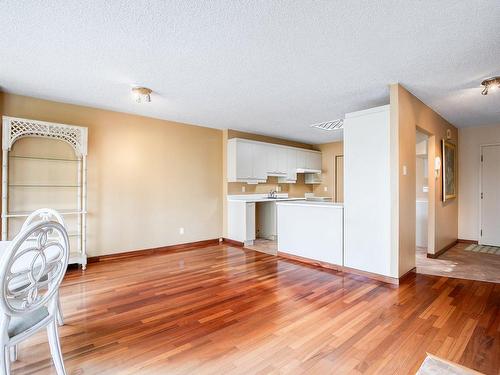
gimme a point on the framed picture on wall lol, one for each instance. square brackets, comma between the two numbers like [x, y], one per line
[449, 156]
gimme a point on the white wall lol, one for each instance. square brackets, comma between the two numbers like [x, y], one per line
[469, 142]
[369, 192]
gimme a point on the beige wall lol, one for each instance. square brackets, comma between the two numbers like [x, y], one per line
[411, 114]
[469, 144]
[146, 177]
[328, 153]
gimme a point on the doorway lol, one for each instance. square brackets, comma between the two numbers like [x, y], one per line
[490, 196]
[422, 194]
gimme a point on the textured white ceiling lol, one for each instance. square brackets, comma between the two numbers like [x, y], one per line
[270, 67]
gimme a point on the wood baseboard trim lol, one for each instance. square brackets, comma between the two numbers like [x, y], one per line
[371, 275]
[311, 262]
[411, 273]
[156, 250]
[232, 242]
[343, 269]
[442, 251]
[473, 242]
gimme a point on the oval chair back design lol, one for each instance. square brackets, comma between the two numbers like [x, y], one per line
[34, 267]
[43, 214]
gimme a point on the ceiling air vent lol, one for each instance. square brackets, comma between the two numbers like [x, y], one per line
[330, 125]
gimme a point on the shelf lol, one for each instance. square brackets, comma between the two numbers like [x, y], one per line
[44, 186]
[41, 158]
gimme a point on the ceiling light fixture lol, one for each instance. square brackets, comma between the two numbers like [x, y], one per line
[142, 94]
[330, 125]
[492, 83]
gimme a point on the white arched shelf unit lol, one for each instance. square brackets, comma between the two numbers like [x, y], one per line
[76, 136]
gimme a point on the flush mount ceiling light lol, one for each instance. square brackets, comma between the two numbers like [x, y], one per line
[142, 94]
[490, 84]
[330, 125]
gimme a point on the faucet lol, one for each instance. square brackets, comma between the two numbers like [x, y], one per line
[272, 194]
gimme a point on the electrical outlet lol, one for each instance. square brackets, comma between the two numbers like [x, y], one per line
[325, 188]
[243, 189]
[181, 230]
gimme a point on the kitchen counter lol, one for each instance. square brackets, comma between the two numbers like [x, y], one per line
[311, 230]
[255, 198]
[309, 203]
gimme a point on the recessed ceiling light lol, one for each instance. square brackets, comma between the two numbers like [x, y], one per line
[490, 84]
[142, 94]
[330, 125]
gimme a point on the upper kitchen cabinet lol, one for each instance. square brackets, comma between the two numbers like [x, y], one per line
[313, 161]
[308, 161]
[276, 160]
[252, 161]
[246, 161]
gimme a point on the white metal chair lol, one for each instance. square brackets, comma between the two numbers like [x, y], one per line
[47, 214]
[26, 308]
[43, 214]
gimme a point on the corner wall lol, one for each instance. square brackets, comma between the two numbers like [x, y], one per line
[443, 216]
[146, 177]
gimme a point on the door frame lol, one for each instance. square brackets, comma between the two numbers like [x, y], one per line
[480, 205]
[335, 177]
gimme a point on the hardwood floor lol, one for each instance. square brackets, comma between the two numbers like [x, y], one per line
[225, 310]
[457, 262]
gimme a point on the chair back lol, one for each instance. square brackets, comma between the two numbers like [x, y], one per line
[33, 267]
[43, 214]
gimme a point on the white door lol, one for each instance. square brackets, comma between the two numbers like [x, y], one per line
[490, 196]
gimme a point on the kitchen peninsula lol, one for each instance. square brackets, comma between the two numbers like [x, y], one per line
[311, 231]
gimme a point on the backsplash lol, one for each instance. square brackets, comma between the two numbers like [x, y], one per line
[294, 190]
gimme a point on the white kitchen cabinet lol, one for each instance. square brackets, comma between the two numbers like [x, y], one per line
[276, 160]
[241, 221]
[313, 160]
[291, 167]
[259, 162]
[283, 160]
[246, 161]
[252, 161]
[301, 159]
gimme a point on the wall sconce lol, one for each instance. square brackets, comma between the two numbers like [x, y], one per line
[437, 166]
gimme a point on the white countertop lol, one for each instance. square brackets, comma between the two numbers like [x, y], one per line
[248, 198]
[312, 204]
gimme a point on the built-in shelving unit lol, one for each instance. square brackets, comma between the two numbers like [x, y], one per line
[51, 180]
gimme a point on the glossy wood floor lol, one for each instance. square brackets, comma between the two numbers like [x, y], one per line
[224, 310]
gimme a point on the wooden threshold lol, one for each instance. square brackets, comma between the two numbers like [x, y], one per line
[473, 242]
[442, 251]
[156, 250]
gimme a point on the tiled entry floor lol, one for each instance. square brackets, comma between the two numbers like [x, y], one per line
[457, 262]
[264, 246]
